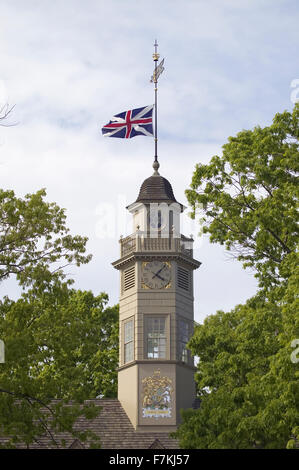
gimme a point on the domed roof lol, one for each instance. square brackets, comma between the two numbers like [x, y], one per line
[156, 189]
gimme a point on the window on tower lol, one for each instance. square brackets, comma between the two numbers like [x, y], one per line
[156, 339]
[128, 341]
[183, 336]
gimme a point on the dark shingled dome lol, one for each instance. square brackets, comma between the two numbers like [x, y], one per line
[156, 189]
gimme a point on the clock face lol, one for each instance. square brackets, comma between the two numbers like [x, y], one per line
[156, 274]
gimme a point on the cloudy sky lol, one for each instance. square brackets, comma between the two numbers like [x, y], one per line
[69, 66]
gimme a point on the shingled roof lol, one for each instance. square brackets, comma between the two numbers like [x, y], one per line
[114, 429]
[156, 189]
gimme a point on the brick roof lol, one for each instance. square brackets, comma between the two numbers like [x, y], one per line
[113, 427]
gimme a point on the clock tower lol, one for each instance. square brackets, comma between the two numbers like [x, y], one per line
[156, 370]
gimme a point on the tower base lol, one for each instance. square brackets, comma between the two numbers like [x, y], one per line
[153, 393]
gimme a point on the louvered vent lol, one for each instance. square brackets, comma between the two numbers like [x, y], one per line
[129, 278]
[183, 278]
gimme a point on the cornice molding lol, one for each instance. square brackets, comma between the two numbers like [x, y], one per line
[157, 362]
[136, 256]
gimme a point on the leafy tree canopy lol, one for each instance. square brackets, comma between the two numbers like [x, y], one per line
[249, 196]
[246, 379]
[61, 344]
[247, 383]
[34, 240]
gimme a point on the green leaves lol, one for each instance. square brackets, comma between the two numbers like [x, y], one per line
[253, 390]
[61, 345]
[247, 382]
[250, 196]
[34, 241]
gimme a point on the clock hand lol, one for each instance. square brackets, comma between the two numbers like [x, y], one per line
[157, 275]
[160, 270]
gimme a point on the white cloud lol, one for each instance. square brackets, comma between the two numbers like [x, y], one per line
[69, 66]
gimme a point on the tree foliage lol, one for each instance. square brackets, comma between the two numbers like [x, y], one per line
[247, 382]
[61, 344]
[246, 379]
[250, 194]
[34, 240]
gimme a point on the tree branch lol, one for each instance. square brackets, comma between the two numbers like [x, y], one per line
[5, 111]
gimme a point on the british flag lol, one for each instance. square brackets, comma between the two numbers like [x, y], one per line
[130, 123]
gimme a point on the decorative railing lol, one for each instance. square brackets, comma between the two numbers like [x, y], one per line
[127, 245]
[138, 242]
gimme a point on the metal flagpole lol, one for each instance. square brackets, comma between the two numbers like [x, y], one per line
[156, 58]
[157, 72]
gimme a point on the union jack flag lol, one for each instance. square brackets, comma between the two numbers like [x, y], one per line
[130, 123]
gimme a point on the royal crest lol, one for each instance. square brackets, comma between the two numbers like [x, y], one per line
[157, 396]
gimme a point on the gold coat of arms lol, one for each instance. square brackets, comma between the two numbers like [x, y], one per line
[156, 396]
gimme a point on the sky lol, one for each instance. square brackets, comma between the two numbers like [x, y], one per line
[70, 66]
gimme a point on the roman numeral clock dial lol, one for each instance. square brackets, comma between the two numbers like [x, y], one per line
[156, 274]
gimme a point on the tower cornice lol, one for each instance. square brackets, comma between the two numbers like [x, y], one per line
[157, 363]
[167, 255]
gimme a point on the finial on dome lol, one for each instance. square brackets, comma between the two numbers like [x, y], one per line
[156, 166]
